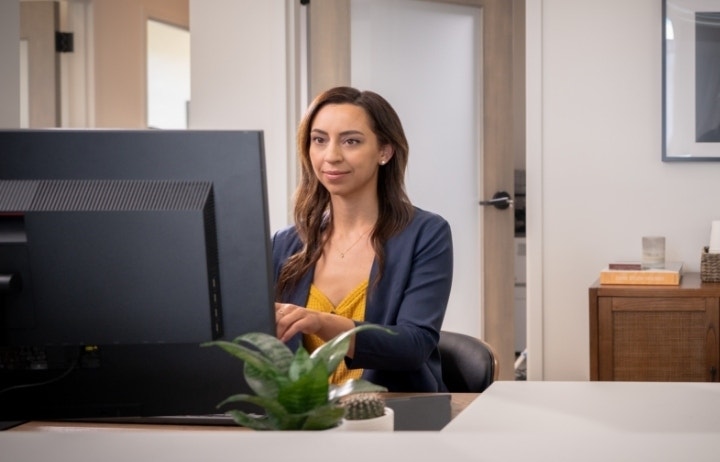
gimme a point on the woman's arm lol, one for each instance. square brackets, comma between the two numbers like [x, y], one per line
[411, 299]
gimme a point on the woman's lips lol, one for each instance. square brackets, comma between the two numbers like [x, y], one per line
[334, 174]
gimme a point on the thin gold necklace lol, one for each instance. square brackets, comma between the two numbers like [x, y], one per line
[342, 254]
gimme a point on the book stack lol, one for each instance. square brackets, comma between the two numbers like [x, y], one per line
[634, 274]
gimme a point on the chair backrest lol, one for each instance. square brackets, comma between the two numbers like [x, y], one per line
[469, 364]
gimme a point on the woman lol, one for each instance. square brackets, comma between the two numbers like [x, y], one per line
[359, 250]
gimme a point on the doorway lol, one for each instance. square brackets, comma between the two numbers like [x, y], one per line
[391, 40]
[330, 57]
[100, 80]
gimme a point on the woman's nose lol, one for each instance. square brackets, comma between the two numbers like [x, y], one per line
[333, 153]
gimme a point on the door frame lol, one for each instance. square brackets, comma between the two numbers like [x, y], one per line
[38, 22]
[502, 52]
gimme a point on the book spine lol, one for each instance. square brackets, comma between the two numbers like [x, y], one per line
[640, 277]
[625, 266]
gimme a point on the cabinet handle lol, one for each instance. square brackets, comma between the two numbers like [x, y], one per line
[713, 374]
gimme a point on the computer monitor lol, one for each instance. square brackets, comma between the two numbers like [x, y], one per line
[120, 253]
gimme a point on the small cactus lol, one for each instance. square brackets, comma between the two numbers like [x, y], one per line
[361, 406]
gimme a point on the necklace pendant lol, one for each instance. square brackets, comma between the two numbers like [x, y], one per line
[342, 254]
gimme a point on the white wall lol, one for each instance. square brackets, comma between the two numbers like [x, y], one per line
[595, 179]
[9, 64]
[239, 80]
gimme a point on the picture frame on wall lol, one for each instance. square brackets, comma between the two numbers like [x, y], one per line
[691, 80]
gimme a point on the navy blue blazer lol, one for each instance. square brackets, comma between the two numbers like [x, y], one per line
[410, 299]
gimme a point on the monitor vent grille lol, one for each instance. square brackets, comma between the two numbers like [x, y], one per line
[102, 195]
[16, 195]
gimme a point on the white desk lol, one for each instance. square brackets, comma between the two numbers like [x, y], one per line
[594, 407]
[511, 421]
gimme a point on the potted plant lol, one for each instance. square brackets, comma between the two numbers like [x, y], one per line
[293, 388]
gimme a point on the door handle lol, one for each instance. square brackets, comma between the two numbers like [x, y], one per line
[500, 200]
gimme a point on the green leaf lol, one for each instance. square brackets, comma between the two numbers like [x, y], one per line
[246, 354]
[300, 365]
[252, 421]
[333, 351]
[324, 417]
[266, 363]
[270, 405]
[320, 418]
[307, 392]
[271, 347]
[264, 382]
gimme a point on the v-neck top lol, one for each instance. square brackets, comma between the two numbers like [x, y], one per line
[352, 307]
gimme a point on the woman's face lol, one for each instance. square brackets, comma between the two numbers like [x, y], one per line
[344, 151]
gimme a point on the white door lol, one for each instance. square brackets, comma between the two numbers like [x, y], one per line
[422, 57]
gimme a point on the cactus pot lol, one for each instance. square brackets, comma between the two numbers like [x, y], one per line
[382, 423]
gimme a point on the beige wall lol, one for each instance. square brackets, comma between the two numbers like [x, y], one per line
[119, 56]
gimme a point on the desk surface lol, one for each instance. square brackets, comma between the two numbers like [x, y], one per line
[511, 421]
[594, 408]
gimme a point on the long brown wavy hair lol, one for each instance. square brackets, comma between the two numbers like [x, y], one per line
[313, 209]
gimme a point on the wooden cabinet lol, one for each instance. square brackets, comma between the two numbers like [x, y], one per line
[655, 333]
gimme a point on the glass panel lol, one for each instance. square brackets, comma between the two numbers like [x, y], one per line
[168, 76]
[421, 56]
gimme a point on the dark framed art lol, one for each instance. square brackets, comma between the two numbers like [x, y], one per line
[691, 80]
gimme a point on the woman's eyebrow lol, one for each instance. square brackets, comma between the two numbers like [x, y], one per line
[352, 132]
[345, 133]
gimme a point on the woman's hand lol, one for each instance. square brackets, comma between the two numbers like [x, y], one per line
[292, 319]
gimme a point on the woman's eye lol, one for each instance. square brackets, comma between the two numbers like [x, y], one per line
[317, 139]
[352, 141]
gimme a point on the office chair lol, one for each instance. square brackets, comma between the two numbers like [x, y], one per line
[469, 364]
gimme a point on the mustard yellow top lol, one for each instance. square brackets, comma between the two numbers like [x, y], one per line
[352, 307]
